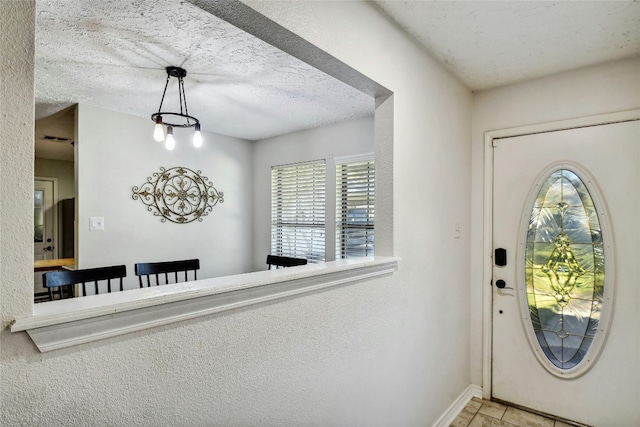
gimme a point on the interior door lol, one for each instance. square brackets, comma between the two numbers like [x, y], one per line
[43, 226]
[599, 382]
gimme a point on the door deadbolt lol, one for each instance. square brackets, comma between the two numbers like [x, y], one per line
[500, 257]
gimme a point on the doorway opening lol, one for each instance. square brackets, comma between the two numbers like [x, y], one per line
[54, 195]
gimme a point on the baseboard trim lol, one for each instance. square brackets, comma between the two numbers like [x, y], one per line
[458, 405]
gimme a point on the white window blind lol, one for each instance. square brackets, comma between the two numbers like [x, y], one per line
[355, 209]
[298, 210]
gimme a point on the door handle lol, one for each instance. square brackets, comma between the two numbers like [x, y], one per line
[48, 248]
[501, 284]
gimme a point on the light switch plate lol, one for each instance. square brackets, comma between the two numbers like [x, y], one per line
[96, 223]
[456, 230]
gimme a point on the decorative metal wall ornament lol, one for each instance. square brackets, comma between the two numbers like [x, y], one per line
[178, 194]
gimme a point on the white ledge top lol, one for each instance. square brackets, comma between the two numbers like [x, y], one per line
[136, 309]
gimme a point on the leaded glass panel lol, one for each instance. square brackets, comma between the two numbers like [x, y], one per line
[564, 269]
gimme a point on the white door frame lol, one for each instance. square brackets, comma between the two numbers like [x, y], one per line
[487, 264]
[56, 251]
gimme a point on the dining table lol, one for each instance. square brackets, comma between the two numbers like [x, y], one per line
[52, 264]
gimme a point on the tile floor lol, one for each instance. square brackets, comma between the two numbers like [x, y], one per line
[484, 413]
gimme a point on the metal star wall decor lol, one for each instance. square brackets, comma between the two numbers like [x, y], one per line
[178, 194]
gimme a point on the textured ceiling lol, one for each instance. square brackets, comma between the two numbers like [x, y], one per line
[54, 135]
[113, 54]
[493, 43]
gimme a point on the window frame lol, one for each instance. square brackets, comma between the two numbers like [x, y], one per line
[594, 350]
[298, 204]
[358, 167]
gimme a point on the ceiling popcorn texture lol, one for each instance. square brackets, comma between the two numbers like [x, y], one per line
[112, 54]
[494, 43]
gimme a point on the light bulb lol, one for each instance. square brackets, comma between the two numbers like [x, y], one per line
[158, 133]
[169, 142]
[197, 137]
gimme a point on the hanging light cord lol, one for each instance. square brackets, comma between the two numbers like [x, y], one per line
[183, 98]
[164, 93]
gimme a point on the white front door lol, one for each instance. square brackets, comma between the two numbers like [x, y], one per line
[43, 226]
[566, 322]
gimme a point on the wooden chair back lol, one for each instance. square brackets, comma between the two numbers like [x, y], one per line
[65, 280]
[284, 261]
[145, 271]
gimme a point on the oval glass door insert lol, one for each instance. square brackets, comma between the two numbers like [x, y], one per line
[564, 269]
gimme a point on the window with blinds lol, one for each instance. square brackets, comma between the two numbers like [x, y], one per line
[355, 209]
[298, 210]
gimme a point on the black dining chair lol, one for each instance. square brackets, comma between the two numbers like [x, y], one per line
[158, 269]
[65, 280]
[278, 261]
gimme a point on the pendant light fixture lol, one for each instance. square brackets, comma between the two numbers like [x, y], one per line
[180, 120]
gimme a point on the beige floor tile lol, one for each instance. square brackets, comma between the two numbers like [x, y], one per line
[481, 420]
[513, 417]
[459, 422]
[464, 417]
[526, 419]
[473, 405]
[492, 409]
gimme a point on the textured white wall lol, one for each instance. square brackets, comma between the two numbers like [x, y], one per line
[327, 142]
[590, 91]
[391, 351]
[429, 295]
[116, 152]
[16, 161]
